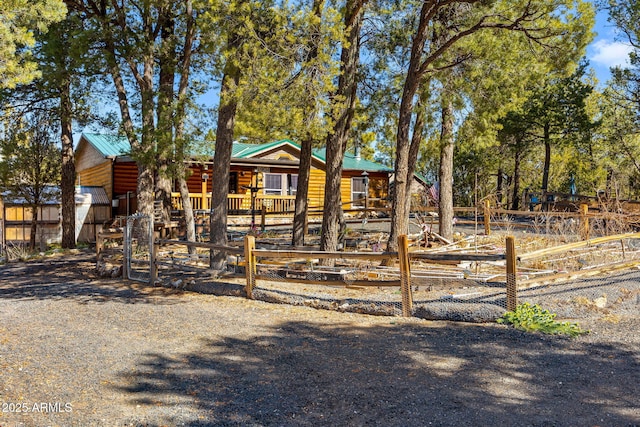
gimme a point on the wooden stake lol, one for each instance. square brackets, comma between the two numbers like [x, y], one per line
[584, 221]
[250, 264]
[512, 288]
[487, 218]
[405, 275]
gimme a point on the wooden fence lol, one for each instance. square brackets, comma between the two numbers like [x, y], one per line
[403, 258]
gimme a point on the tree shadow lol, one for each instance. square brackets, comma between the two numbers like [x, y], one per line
[396, 375]
[72, 277]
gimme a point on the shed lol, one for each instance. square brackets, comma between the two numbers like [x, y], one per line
[93, 209]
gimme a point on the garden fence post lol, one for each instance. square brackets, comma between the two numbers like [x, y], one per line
[250, 264]
[512, 288]
[487, 217]
[405, 275]
[584, 221]
[126, 249]
[153, 254]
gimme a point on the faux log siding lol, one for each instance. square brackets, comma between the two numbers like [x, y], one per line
[243, 180]
[194, 181]
[99, 176]
[125, 178]
[378, 187]
[316, 188]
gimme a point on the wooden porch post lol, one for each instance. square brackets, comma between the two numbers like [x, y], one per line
[203, 194]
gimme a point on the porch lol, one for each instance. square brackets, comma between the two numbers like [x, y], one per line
[240, 203]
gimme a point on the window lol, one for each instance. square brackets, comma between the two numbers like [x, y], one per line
[358, 191]
[280, 184]
[293, 184]
[273, 183]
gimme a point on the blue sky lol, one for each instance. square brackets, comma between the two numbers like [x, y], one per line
[607, 49]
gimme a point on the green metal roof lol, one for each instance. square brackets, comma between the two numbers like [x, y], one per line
[109, 145]
[112, 145]
[351, 162]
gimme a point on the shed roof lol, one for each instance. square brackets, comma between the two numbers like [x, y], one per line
[109, 145]
[95, 195]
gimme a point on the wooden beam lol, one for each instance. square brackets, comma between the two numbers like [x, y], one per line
[206, 245]
[364, 283]
[545, 280]
[264, 253]
[487, 218]
[405, 276]
[570, 246]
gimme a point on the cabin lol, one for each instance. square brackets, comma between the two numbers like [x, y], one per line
[260, 175]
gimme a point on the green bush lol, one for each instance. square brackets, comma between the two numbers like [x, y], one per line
[533, 318]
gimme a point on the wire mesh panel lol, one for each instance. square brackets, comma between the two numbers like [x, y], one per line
[584, 278]
[138, 245]
[465, 291]
[343, 284]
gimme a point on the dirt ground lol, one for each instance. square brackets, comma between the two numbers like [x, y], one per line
[76, 350]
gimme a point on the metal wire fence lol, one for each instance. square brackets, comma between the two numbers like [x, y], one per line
[138, 244]
[466, 280]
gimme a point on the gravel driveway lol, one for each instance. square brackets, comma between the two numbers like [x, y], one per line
[80, 351]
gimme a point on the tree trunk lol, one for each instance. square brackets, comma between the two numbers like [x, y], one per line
[221, 162]
[403, 178]
[189, 220]
[180, 144]
[343, 110]
[165, 109]
[516, 181]
[68, 179]
[146, 158]
[302, 192]
[300, 216]
[547, 159]
[145, 175]
[446, 172]
[34, 228]
[500, 187]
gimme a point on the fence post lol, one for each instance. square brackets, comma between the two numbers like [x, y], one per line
[512, 287]
[405, 275]
[263, 217]
[126, 252]
[250, 264]
[584, 221]
[487, 217]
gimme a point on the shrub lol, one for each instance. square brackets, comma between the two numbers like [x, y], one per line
[533, 318]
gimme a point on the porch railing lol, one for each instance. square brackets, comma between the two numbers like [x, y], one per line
[239, 203]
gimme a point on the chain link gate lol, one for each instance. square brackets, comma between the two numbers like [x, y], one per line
[138, 248]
